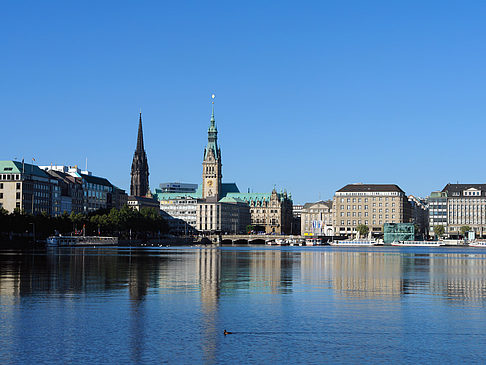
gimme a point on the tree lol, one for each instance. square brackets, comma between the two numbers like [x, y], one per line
[439, 231]
[362, 230]
[464, 230]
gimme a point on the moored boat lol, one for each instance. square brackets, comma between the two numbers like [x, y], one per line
[418, 243]
[355, 243]
[477, 244]
[60, 241]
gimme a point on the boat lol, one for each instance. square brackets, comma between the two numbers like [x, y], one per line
[62, 241]
[418, 243]
[313, 242]
[355, 243]
[477, 244]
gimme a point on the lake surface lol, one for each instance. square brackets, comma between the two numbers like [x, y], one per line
[289, 305]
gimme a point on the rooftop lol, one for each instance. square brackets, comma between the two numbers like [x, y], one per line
[359, 188]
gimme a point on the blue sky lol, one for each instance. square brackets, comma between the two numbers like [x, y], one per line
[310, 96]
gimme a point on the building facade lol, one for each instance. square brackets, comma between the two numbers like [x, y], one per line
[212, 167]
[437, 206]
[29, 189]
[370, 204]
[459, 205]
[317, 219]
[139, 185]
[183, 211]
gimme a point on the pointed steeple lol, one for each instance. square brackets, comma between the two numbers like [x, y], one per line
[140, 134]
[140, 172]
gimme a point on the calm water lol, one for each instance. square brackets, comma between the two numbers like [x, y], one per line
[305, 305]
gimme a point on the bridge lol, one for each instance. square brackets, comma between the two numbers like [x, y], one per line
[250, 239]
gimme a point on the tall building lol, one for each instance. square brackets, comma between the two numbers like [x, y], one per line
[211, 176]
[370, 204]
[29, 189]
[140, 172]
[458, 205]
[220, 206]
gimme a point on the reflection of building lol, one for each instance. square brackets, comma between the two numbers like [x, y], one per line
[316, 219]
[370, 204]
[459, 205]
[366, 275]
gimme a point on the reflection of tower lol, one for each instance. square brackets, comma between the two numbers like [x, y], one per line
[271, 269]
[211, 184]
[208, 266]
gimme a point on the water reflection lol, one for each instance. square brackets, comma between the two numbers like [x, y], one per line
[210, 275]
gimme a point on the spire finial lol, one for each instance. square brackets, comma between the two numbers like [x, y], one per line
[212, 102]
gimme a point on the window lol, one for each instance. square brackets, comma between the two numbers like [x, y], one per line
[354, 200]
[18, 186]
[1, 185]
[17, 195]
[1, 195]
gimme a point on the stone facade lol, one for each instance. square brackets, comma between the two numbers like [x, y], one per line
[29, 189]
[459, 205]
[370, 204]
[212, 168]
[317, 219]
[272, 211]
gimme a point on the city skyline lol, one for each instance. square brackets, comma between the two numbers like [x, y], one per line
[308, 99]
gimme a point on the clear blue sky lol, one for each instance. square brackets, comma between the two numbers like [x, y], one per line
[310, 96]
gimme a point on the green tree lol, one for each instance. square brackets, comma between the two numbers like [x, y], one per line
[439, 231]
[362, 230]
[464, 230]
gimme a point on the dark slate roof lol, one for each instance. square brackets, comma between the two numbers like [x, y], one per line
[361, 188]
[459, 188]
[328, 203]
[96, 180]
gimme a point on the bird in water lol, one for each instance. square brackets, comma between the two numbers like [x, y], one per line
[227, 333]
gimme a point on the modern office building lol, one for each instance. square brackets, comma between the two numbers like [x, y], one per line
[458, 205]
[437, 206]
[28, 188]
[317, 219]
[370, 204]
[420, 215]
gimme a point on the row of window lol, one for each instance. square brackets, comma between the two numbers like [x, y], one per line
[365, 221]
[354, 200]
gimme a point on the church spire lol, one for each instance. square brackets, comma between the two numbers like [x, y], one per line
[140, 172]
[140, 134]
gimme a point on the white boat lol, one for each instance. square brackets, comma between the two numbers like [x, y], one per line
[355, 243]
[58, 241]
[477, 244]
[313, 242]
[417, 243]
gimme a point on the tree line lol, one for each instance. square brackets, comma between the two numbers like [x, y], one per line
[124, 223]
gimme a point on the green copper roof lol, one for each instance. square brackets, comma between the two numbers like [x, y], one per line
[228, 199]
[15, 167]
[212, 138]
[226, 188]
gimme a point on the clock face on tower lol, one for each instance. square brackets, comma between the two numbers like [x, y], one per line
[210, 183]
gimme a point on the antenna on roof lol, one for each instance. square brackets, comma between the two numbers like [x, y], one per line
[86, 163]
